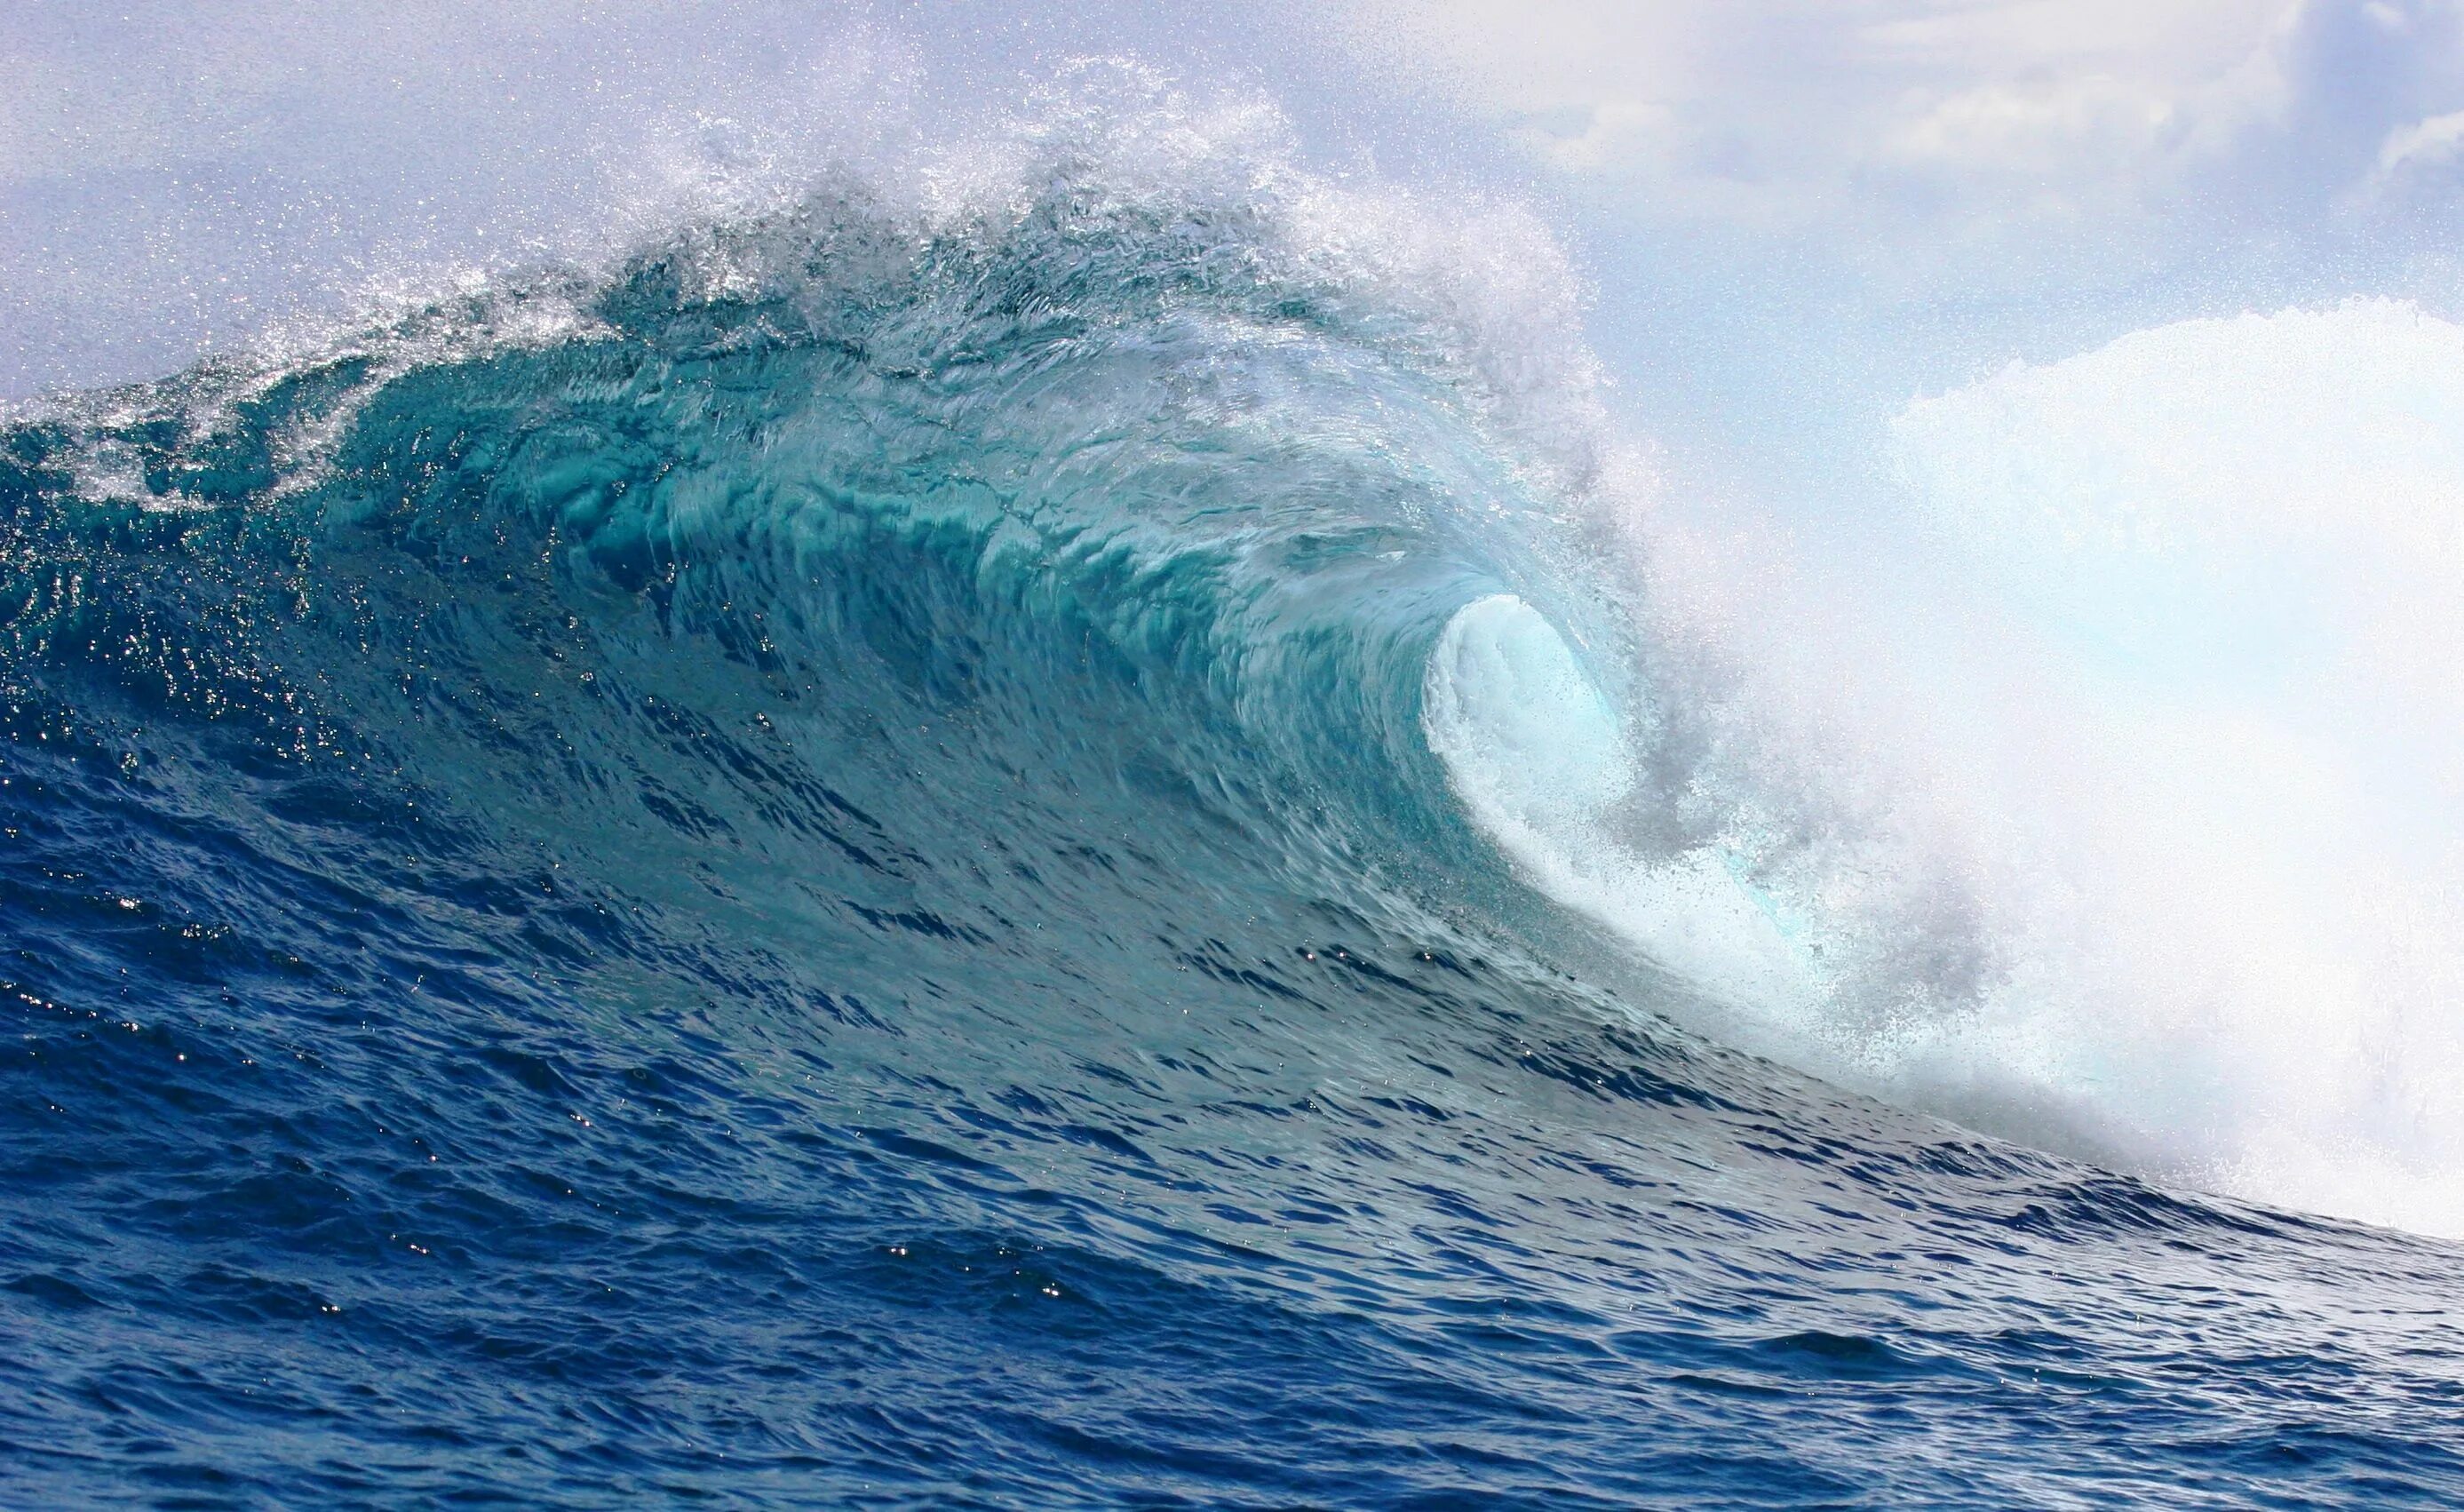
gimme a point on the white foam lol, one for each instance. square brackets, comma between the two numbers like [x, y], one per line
[2121, 808]
[2242, 543]
[1543, 761]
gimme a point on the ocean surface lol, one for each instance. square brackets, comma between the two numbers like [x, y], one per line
[890, 855]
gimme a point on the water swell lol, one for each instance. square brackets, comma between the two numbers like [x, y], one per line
[1202, 510]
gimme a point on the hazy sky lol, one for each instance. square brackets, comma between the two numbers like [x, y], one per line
[1816, 207]
[1887, 195]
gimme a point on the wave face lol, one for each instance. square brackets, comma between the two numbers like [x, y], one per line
[885, 859]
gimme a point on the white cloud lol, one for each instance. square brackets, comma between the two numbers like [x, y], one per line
[1766, 104]
[2424, 144]
[2032, 126]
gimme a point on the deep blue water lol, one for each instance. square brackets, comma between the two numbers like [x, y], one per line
[820, 882]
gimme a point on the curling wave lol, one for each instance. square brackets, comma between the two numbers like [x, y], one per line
[824, 860]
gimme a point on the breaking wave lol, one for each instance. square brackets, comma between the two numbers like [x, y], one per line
[1036, 735]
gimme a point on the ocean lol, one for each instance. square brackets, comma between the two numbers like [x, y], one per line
[946, 850]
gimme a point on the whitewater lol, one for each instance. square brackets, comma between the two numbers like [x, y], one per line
[1075, 823]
